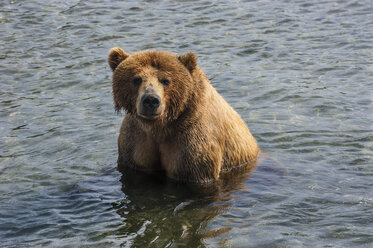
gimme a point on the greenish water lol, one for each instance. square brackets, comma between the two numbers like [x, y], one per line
[300, 73]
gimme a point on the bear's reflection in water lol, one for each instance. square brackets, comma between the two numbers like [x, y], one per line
[160, 212]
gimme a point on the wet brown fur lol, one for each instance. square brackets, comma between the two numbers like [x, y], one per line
[197, 136]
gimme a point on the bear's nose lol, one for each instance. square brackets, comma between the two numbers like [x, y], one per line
[151, 102]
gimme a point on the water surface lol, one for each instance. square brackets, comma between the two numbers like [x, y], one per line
[298, 72]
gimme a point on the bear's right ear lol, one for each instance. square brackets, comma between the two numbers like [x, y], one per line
[116, 56]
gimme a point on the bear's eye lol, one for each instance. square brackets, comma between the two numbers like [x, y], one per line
[165, 82]
[137, 81]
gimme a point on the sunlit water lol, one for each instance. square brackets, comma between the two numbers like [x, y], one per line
[300, 73]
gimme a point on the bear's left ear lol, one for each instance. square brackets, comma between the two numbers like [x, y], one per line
[189, 60]
[116, 56]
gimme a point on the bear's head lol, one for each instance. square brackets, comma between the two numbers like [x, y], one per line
[153, 85]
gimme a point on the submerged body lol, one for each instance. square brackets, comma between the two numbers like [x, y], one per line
[175, 120]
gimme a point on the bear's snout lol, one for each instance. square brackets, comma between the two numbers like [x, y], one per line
[150, 102]
[150, 106]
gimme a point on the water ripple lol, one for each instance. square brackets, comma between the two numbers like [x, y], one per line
[299, 73]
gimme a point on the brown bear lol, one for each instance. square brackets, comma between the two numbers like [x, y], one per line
[175, 120]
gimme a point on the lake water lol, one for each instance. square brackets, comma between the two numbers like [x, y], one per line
[300, 73]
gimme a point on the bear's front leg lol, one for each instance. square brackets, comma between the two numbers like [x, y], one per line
[136, 149]
[191, 163]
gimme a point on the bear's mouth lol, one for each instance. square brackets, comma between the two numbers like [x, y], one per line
[152, 116]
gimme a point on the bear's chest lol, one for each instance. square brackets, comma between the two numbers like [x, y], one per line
[146, 154]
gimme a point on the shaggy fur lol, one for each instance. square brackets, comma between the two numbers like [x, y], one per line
[196, 135]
